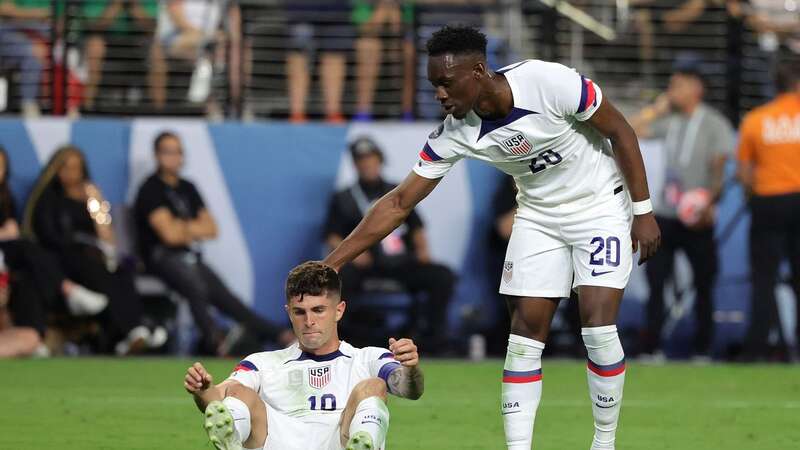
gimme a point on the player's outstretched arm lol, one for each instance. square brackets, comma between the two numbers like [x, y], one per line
[387, 214]
[611, 124]
[407, 381]
[200, 384]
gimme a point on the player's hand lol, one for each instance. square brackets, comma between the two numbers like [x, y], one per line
[197, 379]
[646, 236]
[405, 351]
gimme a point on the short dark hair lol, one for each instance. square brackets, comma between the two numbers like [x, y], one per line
[787, 76]
[313, 278]
[161, 137]
[458, 40]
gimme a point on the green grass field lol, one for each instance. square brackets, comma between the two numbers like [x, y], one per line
[80, 404]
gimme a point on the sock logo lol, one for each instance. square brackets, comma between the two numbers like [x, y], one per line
[507, 405]
[604, 399]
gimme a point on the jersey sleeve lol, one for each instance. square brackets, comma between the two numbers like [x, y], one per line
[381, 363]
[247, 373]
[566, 92]
[438, 155]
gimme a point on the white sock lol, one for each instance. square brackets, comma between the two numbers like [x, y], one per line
[606, 374]
[371, 416]
[521, 390]
[241, 416]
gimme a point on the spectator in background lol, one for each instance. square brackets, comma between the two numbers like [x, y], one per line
[769, 170]
[776, 21]
[15, 341]
[313, 31]
[697, 142]
[185, 31]
[402, 256]
[38, 283]
[378, 20]
[24, 33]
[172, 221]
[68, 215]
[119, 21]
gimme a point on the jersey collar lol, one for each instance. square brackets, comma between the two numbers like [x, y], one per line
[305, 356]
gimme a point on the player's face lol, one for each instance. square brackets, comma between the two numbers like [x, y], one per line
[314, 319]
[456, 79]
[369, 168]
[170, 155]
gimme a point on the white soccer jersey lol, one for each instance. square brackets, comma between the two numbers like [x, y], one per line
[313, 389]
[554, 157]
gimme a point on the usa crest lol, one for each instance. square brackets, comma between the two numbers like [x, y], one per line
[508, 271]
[518, 145]
[319, 377]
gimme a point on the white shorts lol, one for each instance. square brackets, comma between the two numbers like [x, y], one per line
[573, 245]
[291, 433]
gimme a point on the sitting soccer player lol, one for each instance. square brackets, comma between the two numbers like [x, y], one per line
[320, 393]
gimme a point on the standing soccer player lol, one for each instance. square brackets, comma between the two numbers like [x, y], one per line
[552, 130]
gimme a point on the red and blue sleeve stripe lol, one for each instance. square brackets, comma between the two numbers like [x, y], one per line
[588, 94]
[246, 366]
[428, 154]
[610, 370]
[531, 376]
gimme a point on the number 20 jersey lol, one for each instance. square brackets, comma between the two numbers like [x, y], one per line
[556, 159]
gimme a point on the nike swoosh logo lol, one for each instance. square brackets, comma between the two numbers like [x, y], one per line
[510, 412]
[597, 274]
[604, 407]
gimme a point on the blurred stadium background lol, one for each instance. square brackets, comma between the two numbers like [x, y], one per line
[266, 100]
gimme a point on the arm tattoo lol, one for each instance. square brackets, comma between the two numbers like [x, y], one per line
[406, 382]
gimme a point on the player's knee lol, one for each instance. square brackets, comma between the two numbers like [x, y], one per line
[528, 328]
[243, 393]
[371, 387]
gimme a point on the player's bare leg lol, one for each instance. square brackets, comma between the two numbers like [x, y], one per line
[365, 419]
[522, 371]
[606, 366]
[246, 411]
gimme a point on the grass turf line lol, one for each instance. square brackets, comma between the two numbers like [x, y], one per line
[80, 404]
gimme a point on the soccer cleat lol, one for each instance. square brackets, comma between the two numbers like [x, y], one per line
[360, 441]
[220, 429]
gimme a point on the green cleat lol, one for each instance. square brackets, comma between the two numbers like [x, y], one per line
[360, 441]
[219, 426]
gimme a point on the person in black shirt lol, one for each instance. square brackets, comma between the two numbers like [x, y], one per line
[401, 256]
[67, 214]
[37, 282]
[172, 221]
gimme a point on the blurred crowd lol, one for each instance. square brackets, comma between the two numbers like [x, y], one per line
[337, 60]
[65, 282]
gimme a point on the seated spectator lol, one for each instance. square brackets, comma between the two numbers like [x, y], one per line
[24, 31]
[402, 256]
[15, 341]
[185, 31]
[116, 20]
[312, 32]
[378, 20]
[45, 285]
[68, 215]
[172, 221]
